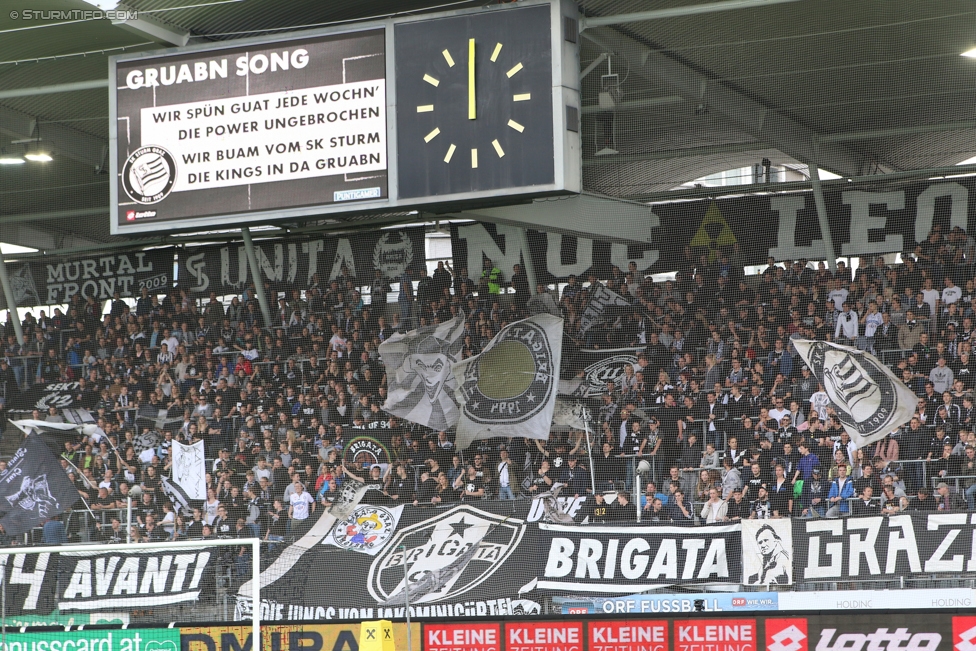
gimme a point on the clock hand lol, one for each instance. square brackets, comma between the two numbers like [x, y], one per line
[471, 91]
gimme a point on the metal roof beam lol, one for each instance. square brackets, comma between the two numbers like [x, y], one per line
[685, 152]
[874, 134]
[42, 239]
[55, 88]
[152, 28]
[674, 12]
[636, 104]
[763, 123]
[64, 140]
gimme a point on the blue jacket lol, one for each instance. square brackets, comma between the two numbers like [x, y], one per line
[807, 464]
[845, 494]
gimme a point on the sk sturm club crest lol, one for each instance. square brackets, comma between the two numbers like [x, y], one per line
[393, 253]
[597, 374]
[510, 388]
[148, 175]
[869, 400]
[464, 547]
[366, 529]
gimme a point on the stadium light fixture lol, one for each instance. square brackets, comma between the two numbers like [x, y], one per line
[971, 53]
[38, 157]
[10, 159]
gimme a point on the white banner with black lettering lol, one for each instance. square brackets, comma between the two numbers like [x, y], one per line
[626, 560]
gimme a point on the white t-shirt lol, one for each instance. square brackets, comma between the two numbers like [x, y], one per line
[931, 296]
[503, 473]
[871, 323]
[951, 294]
[819, 403]
[210, 511]
[300, 504]
[838, 296]
[777, 414]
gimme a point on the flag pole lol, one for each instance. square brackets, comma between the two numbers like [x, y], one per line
[589, 446]
[88, 481]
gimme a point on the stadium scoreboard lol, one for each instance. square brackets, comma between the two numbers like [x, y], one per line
[449, 109]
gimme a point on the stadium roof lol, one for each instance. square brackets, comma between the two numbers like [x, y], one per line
[861, 88]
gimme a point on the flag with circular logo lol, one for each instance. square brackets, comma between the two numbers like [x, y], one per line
[867, 397]
[510, 388]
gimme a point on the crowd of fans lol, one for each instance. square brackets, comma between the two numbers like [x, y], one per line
[732, 423]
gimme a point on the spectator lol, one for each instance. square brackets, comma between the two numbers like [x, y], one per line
[947, 500]
[866, 505]
[300, 506]
[841, 490]
[679, 511]
[923, 500]
[715, 509]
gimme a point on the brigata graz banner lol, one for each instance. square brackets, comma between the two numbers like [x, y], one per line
[49, 281]
[89, 581]
[861, 223]
[291, 263]
[493, 558]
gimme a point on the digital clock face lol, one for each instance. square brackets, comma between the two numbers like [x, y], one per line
[475, 102]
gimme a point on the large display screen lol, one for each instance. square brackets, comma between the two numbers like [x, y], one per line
[296, 123]
[413, 112]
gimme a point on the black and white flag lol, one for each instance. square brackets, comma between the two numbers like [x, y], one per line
[570, 414]
[176, 495]
[418, 368]
[600, 299]
[869, 400]
[510, 388]
[33, 488]
[55, 435]
[190, 469]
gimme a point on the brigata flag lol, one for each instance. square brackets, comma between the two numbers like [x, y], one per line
[418, 370]
[33, 488]
[190, 469]
[510, 388]
[869, 400]
[600, 299]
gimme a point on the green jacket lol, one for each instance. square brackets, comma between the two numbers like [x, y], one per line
[494, 276]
